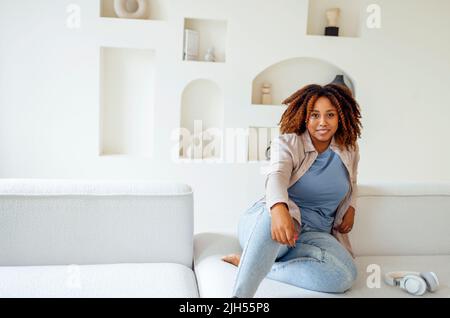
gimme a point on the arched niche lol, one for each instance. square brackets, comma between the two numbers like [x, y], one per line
[202, 117]
[288, 76]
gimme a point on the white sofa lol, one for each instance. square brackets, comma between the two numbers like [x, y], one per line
[135, 239]
[397, 227]
[128, 239]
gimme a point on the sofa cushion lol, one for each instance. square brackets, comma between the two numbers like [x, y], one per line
[215, 278]
[402, 219]
[116, 280]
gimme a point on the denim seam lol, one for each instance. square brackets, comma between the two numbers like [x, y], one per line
[302, 259]
[322, 251]
[312, 244]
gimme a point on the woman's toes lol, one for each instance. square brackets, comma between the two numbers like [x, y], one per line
[232, 259]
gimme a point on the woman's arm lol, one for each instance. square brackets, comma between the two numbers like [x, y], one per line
[277, 182]
[355, 177]
[349, 216]
[279, 172]
[347, 221]
[282, 227]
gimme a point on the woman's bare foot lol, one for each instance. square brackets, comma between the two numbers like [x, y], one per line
[232, 259]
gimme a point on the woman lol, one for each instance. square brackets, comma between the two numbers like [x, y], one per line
[297, 233]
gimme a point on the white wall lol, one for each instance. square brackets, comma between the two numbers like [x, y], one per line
[50, 91]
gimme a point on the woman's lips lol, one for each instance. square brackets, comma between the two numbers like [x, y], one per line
[323, 132]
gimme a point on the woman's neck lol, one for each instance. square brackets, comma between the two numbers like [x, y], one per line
[320, 146]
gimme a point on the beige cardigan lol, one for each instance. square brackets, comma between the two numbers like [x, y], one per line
[291, 156]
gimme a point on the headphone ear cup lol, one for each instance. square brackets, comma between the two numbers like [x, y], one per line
[413, 284]
[431, 280]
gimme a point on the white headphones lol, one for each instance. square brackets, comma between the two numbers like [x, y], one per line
[414, 283]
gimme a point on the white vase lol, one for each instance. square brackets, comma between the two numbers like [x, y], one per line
[131, 9]
[266, 96]
[333, 17]
[210, 57]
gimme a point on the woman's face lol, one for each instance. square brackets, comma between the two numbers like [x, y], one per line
[323, 121]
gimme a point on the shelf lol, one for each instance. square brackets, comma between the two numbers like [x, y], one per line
[202, 114]
[126, 101]
[348, 22]
[288, 76]
[204, 62]
[269, 105]
[259, 139]
[156, 10]
[200, 35]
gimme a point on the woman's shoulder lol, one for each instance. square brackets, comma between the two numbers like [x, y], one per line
[356, 151]
[351, 152]
[289, 138]
[290, 142]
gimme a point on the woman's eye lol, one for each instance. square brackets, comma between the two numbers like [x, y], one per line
[331, 115]
[314, 115]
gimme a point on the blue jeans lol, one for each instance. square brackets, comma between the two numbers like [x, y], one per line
[318, 261]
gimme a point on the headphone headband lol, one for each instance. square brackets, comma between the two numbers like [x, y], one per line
[393, 278]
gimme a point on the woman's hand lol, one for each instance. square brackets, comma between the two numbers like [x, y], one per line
[283, 228]
[347, 221]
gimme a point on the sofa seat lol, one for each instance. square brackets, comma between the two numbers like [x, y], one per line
[154, 280]
[215, 278]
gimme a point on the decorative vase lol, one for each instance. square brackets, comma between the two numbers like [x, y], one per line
[210, 57]
[268, 151]
[131, 9]
[339, 80]
[266, 94]
[332, 28]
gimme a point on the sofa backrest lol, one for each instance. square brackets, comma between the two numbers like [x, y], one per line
[63, 222]
[402, 219]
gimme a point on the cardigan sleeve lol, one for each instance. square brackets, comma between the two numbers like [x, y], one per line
[355, 177]
[279, 172]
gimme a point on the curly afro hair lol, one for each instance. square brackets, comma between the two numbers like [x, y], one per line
[301, 103]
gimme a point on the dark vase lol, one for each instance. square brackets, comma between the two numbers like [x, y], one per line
[339, 80]
[332, 31]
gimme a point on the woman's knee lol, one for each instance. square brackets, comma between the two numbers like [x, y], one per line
[258, 224]
[347, 281]
[345, 274]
